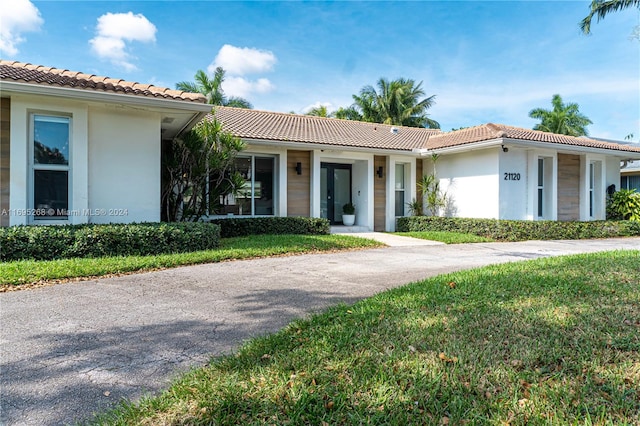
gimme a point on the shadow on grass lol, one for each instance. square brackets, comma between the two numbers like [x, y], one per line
[554, 341]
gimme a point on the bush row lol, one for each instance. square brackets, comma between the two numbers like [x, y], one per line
[240, 227]
[520, 230]
[67, 241]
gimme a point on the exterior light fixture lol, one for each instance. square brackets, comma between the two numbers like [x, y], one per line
[505, 149]
[379, 172]
[299, 168]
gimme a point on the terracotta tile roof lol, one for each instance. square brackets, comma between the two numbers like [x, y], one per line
[36, 74]
[491, 131]
[274, 126]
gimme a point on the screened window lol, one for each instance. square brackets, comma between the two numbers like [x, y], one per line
[50, 136]
[630, 182]
[400, 190]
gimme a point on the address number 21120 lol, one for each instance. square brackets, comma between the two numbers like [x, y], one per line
[512, 176]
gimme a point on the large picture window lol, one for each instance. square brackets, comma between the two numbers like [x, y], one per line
[256, 197]
[50, 137]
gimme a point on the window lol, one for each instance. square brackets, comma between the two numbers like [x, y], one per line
[256, 197]
[592, 181]
[50, 137]
[540, 187]
[400, 196]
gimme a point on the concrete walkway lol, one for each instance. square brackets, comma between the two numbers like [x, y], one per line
[71, 349]
[393, 240]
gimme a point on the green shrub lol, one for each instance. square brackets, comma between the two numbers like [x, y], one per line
[520, 230]
[241, 227]
[624, 205]
[69, 241]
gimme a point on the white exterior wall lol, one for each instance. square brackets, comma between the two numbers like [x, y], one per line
[513, 180]
[470, 179]
[21, 191]
[124, 166]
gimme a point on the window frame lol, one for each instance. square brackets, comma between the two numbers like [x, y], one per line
[403, 190]
[252, 195]
[33, 167]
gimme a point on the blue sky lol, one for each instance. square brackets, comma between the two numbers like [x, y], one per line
[484, 61]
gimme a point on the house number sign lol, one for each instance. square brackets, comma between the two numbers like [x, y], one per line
[512, 176]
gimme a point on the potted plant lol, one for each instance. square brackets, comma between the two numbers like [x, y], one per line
[348, 214]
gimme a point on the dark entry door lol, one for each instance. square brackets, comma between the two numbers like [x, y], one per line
[335, 190]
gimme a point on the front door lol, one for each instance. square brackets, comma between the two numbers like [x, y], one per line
[335, 190]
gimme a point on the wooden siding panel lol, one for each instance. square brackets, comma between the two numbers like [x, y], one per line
[568, 187]
[379, 194]
[298, 186]
[5, 123]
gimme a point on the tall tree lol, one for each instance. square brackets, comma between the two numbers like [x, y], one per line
[399, 102]
[601, 8]
[319, 111]
[211, 88]
[197, 169]
[564, 119]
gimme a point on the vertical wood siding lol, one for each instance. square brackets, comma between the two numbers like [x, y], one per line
[298, 186]
[568, 187]
[379, 193]
[5, 119]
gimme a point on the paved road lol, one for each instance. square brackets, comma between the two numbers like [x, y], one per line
[71, 349]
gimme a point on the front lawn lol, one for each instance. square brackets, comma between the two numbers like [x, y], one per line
[550, 341]
[26, 272]
[446, 237]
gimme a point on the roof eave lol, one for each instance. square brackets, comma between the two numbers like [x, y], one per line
[9, 87]
[319, 146]
[632, 155]
[568, 147]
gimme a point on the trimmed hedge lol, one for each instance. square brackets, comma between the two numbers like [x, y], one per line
[520, 230]
[241, 227]
[136, 239]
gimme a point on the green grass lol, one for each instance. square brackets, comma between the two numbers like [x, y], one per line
[552, 341]
[446, 237]
[29, 271]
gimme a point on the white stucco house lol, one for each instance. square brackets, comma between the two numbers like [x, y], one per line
[78, 148]
[312, 166]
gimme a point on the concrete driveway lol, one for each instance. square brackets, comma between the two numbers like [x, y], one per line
[72, 349]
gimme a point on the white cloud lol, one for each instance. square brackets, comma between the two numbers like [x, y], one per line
[242, 87]
[237, 63]
[114, 30]
[243, 60]
[22, 16]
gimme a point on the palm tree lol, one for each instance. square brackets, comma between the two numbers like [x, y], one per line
[319, 111]
[211, 88]
[395, 102]
[564, 119]
[600, 9]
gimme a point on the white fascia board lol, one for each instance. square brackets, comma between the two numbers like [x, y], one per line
[572, 148]
[98, 96]
[310, 146]
[465, 147]
[531, 144]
